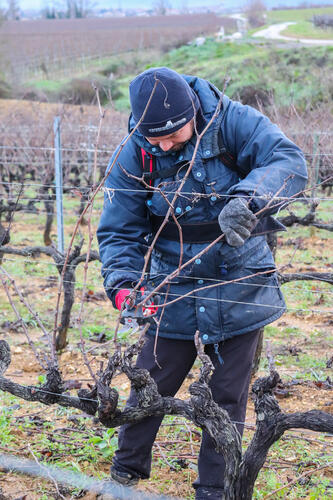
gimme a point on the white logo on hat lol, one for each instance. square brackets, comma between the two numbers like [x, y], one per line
[169, 124]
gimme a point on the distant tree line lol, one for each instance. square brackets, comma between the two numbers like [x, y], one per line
[76, 9]
[68, 9]
[57, 9]
[160, 7]
[71, 9]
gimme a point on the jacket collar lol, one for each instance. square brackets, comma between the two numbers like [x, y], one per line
[208, 96]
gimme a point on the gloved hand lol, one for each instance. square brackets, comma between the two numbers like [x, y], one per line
[147, 310]
[236, 222]
[121, 296]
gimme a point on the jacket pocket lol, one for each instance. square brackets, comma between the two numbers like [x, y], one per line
[255, 253]
[250, 296]
[251, 302]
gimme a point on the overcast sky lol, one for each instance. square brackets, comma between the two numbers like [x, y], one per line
[38, 4]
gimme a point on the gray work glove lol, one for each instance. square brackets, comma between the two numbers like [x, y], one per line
[236, 222]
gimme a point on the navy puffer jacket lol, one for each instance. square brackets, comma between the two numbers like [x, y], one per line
[270, 162]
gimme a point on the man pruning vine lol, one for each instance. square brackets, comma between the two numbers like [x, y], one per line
[224, 187]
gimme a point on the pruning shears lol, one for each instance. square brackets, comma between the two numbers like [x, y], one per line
[136, 316]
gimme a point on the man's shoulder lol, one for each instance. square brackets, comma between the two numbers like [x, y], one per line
[234, 111]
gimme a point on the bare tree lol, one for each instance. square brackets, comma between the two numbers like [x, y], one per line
[79, 8]
[13, 10]
[161, 6]
[255, 12]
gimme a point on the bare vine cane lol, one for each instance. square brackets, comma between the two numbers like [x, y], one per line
[47, 473]
[5, 233]
[158, 325]
[90, 239]
[6, 277]
[298, 480]
[169, 203]
[89, 203]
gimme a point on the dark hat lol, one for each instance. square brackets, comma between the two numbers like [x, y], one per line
[173, 104]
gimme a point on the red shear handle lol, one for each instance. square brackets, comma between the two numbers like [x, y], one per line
[149, 309]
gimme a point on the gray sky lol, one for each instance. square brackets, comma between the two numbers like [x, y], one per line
[38, 4]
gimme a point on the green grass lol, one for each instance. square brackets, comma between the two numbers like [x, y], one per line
[82, 446]
[281, 16]
[6, 437]
[46, 85]
[298, 457]
[281, 73]
[306, 29]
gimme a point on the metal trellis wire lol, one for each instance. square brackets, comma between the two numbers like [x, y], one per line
[74, 479]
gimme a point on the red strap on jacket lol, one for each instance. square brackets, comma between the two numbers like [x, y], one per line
[147, 163]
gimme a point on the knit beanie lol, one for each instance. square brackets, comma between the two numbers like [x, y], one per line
[173, 103]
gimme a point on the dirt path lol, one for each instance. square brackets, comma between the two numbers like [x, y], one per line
[273, 33]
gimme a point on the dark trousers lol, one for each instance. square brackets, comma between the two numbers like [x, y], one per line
[229, 384]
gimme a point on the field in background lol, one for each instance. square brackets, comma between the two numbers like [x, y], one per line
[47, 47]
[282, 16]
[56, 60]
[304, 28]
[259, 72]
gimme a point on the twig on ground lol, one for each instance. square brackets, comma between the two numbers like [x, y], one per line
[307, 473]
[46, 470]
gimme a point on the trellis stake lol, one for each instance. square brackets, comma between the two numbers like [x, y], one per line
[58, 183]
